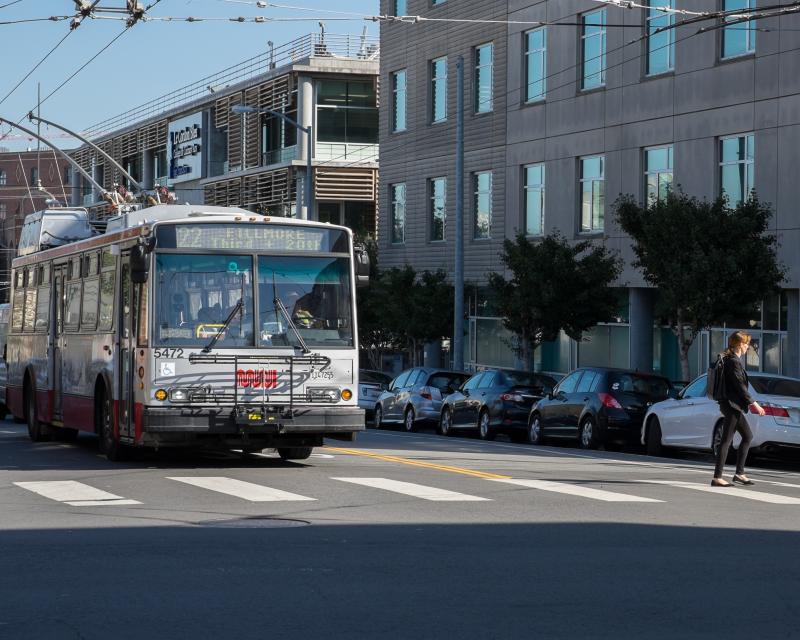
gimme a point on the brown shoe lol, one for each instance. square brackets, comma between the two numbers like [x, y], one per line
[719, 482]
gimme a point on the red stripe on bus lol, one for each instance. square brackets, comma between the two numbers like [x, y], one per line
[138, 411]
[78, 412]
[14, 401]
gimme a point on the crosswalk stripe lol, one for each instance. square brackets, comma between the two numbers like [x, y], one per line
[414, 490]
[244, 490]
[577, 490]
[75, 494]
[772, 498]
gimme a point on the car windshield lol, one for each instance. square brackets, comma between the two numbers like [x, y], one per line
[443, 380]
[649, 386]
[525, 379]
[195, 294]
[776, 386]
[374, 377]
[316, 294]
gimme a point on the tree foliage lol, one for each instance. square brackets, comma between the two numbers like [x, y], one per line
[554, 286]
[709, 261]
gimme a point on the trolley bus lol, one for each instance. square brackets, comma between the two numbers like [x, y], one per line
[187, 325]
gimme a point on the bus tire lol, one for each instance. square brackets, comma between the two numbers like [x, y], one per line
[294, 453]
[3, 412]
[37, 431]
[113, 449]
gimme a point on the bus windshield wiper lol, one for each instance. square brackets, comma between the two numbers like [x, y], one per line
[237, 308]
[279, 305]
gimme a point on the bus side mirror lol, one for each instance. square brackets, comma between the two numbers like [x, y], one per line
[362, 265]
[139, 265]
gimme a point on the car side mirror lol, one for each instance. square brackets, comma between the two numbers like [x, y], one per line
[362, 265]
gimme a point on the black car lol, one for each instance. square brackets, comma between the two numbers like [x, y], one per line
[494, 401]
[597, 406]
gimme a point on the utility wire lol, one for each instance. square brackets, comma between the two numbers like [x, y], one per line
[36, 66]
[8, 4]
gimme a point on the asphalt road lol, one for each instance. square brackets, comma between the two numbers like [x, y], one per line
[396, 536]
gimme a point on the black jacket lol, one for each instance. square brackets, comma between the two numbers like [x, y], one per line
[737, 390]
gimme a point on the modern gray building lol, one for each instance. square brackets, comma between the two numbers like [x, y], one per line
[563, 117]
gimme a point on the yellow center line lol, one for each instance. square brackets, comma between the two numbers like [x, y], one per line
[417, 463]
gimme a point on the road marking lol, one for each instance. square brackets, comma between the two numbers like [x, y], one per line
[576, 490]
[418, 463]
[243, 490]
[772, 498]
[75, 494]
[781, 484]
[415, 490]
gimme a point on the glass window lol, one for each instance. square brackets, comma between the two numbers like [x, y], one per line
[474, 381]
[18, 311]
[586, 382]
[43, 309]
[30, 310]
[482, 202]
[535, 64]
[437, 208]
[696, 389]
[400, 381]
[567, 385]
[592, 194]
[593, 45]
[660, 46]
[3, 178]
[737, 167]
[738, 39]
[72, 314]
[3, 211]
[658, 173]
[649, 386]
[445, 381]
[398, 209]
[347, 112]
[399, 100]
[439, 90]
[34, 176]
[91, 290]
[484, 73]
[106, 300]
[488, 379]
[400, 8]
[534, 199]
[414, 378]
[776, 386]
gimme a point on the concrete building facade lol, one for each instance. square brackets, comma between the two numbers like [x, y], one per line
[560, 119]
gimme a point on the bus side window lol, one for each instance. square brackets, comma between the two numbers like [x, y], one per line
[18, 310]
[91, 287]
[43, 309]
[142, 337]
[73, 304]
[106, 300]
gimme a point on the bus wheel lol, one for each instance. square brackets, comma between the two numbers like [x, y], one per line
[113, 449]
[294, 453]
[37, 431]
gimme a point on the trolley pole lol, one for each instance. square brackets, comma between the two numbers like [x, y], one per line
[458, 279]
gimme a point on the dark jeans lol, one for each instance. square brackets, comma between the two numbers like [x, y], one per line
[733, 421]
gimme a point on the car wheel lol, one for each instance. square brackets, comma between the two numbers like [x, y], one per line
[653, 438]
[587, 434]
[408, 420]
[378, 416]
[535, 434]
[485, 432]
[446, 423]
[294, 453]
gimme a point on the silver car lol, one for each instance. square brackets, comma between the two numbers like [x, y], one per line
[371, 384]
[416, 396]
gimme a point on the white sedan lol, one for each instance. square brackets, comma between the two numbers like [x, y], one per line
[693, 420]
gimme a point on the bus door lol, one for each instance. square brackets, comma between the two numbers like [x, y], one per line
[56, 343]
[127, 350]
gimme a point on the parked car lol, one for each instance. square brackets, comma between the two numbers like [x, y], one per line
[597, 406]
[494, 401]
[693, 420]
[416, 396]
[371, 384]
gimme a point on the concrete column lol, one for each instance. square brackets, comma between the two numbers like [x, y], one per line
[148, 164]
[305, 117]
[641, 335]
[95, 173]
[791, 360]
[432, 354]
[75, 187]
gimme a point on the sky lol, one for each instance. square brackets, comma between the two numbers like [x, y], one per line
[149, 60]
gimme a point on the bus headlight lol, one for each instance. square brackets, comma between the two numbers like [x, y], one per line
[161, 395]
[346, 394]
[179, 395]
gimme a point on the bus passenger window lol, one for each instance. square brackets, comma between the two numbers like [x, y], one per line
[89, 309]
[30, 309]
[73, 299]
[43, 309]
[106, 300]
[18, 311]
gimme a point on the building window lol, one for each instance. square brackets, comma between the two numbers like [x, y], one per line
[660, 46]
[399, 100]
[484, 64]
[592, 194]
[347, 112]
[3, 179]
[34, 176]
[533, 187]
[3, 210]
[738, 39]
[67, 175]
[160, 169]
[277, 135]
[439, 90]
[435, 2]
[737, 167]
[483, 205]
[593, 47]
[400, 8]
[658, 173]
[438, 207]
[398, 208]
[535, 64]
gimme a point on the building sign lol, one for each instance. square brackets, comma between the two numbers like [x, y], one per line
[187, 139]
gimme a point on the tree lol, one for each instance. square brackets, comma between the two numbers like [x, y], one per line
[554, 286]
[709, 261]
[430, 309]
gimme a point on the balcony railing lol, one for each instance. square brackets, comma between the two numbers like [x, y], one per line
[277, 156]
[345, 152]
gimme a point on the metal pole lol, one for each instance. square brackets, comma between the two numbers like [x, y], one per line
[458, 280]
[309, 207]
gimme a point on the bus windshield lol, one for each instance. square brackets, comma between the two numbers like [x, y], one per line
[316, 293]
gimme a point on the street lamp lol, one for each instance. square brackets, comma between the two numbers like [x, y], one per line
[243, 108]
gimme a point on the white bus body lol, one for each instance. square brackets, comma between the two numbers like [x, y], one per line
[189, 325]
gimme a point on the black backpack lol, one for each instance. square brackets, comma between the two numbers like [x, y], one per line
[715, 388]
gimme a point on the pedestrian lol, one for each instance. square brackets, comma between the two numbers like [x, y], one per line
[734, 405]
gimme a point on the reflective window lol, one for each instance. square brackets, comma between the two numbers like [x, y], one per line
[398, 209]
[737, 167]
[400, 8]
[661, 45]
[106, 314]
[567, 385]
[400, 380]
[738, 39]
[585, 384]
[3, 178]
[474, 381]
[484, 73]
[534, 199]
[399, 100]
[91, 290]
[437, 207]
[482, 203]
[593, 45]
[696, 389]
[535, 64]
[347, 112]
[592, 194]
[658, 173]
[439, 90]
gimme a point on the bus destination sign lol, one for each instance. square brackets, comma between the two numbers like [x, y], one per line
[251, 237]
